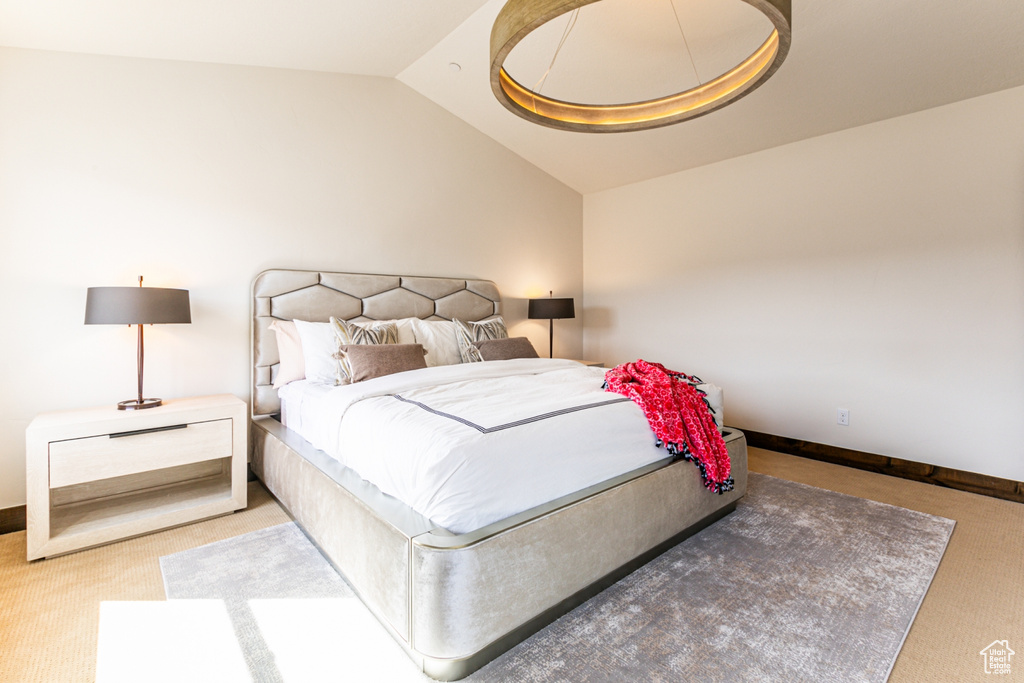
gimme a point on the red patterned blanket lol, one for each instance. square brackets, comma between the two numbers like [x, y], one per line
[679, 416]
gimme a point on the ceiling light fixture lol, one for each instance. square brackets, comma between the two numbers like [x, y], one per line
[518, 18]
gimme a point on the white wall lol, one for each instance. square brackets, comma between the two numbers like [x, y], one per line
[200, 176]
[879, 269]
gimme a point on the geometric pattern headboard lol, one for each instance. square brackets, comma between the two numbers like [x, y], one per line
[316, 296]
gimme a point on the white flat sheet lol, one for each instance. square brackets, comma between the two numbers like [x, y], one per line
[467, 445]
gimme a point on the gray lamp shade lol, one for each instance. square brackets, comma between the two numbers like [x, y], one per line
[136, 306]
[547, 309]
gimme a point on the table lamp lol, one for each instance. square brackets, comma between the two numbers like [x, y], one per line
[549, 309]
[136, 306]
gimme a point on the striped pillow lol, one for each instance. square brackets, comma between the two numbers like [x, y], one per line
[467, 333]
[359, 333]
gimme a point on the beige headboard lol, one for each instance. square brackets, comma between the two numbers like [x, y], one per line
[316, 296]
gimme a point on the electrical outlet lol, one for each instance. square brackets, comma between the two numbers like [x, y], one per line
[843, 417]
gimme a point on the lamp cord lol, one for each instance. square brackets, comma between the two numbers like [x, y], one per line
[571, 23]
[686, 43]
[565, 36]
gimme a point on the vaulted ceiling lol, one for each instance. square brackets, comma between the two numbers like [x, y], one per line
[851, 63]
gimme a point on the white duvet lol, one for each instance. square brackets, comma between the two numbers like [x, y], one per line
[467, 445]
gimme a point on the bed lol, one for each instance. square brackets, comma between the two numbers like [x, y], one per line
[456, 600]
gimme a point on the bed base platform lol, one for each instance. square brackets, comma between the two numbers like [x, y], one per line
[455, 602]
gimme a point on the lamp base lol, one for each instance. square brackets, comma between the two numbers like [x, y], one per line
[139, 403]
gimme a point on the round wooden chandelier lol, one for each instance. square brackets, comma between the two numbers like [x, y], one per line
[518, 18]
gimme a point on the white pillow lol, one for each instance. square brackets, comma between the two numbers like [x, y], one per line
[319, 344]
[292, 365]
[714, 396]
[406, 335]
[438, 338]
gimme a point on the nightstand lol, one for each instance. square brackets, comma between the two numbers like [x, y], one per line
[101, 475]
[590, 363]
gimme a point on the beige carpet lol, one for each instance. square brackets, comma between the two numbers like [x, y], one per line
[49, 610]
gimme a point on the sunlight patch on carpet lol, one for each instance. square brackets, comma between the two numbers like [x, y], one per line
[168, 642]
[315, 640]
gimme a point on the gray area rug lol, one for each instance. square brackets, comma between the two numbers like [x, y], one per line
[798, 584]
[276, 563]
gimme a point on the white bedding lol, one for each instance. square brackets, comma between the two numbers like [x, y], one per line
[470, 444]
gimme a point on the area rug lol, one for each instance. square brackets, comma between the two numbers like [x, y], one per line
[798, 584]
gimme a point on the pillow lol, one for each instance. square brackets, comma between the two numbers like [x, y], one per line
[438, 338]
[404, 325]
[289, 348]
[372, 360]
[714, 396]
[359, 334]
[319, 344]
[405, 333]
[369, 332]
[467, 333]
[505, 349]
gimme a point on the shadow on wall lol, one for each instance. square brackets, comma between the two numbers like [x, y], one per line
[599, 317]
[514, 308]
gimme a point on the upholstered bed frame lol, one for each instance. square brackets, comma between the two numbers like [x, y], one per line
[454, 602]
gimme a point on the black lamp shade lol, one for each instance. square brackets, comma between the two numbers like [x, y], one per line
[547, 309]
[136, 306]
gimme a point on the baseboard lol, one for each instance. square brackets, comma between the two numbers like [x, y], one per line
[12, 519]
[1007, 489]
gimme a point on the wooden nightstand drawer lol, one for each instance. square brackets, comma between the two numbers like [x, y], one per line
[101, 457]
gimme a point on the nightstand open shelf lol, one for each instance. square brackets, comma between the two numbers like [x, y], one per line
[139, 509]
[101, 475]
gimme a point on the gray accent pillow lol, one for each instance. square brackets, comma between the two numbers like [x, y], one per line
[376, 360]
[506, 349]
